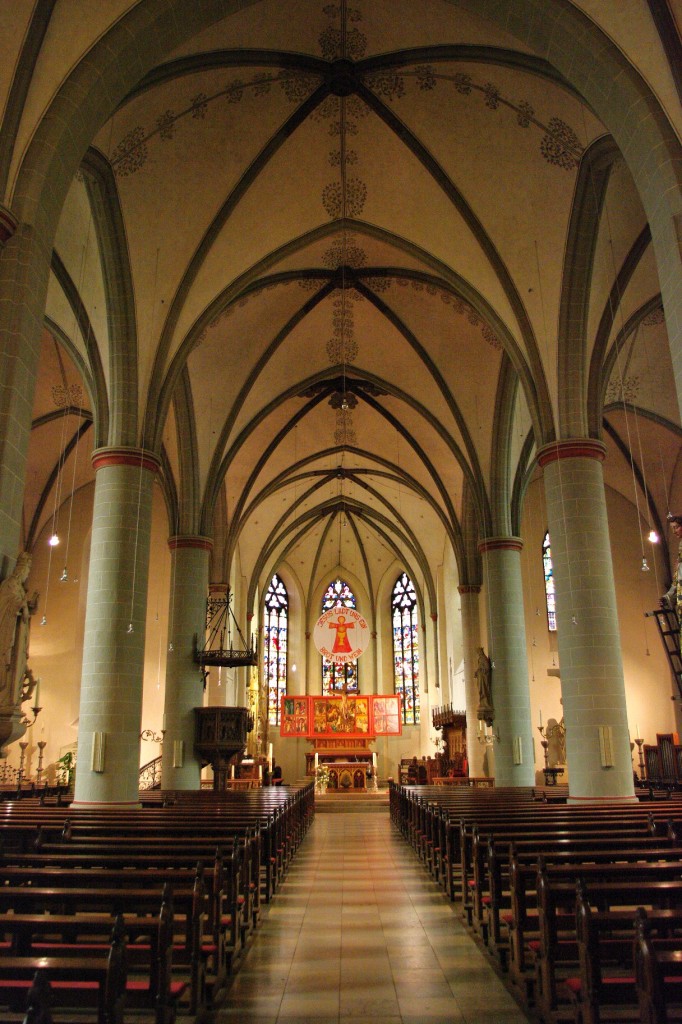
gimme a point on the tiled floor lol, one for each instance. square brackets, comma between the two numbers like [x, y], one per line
[359, 932]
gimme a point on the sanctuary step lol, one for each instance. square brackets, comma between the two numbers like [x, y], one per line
[352, 802]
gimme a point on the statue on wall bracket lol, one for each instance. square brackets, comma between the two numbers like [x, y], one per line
[483, 676]
[16, 678]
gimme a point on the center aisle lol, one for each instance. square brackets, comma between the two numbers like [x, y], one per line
[359, 932]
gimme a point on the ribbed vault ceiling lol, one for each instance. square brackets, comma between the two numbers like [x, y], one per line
[338, 242]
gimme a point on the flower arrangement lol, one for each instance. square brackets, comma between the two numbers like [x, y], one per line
[321, 777]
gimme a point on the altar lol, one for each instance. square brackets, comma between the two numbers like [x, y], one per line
[347, 775]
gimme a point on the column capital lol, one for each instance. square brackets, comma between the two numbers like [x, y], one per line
[8, 225]
[571, 448]
[500, 544]
[182, 540]
[140, 458]
[469, 588]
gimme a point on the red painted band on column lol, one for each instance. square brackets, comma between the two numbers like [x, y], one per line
[136, 457]
[571, 448]
[500, 544]
[468, 589]
[190, 541]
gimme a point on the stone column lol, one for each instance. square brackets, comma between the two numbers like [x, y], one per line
[509, 661]
[588, 636]
[184, 678]
[471, 636]
[115, 621]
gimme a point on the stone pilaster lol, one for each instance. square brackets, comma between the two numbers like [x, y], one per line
[514, 761]
[471, 636]
[184, 679]
[115, 620]
[588, 635]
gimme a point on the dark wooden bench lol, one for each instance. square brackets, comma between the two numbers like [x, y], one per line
[76, 981]
[606, 951]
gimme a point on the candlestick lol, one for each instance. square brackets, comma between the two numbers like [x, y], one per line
[41, 747]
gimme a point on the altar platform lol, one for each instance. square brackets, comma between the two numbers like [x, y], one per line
[352, 801]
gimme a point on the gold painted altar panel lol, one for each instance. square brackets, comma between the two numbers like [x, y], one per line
[342, 716]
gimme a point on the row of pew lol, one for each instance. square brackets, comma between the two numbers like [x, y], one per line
[581, 906]
[144, 910]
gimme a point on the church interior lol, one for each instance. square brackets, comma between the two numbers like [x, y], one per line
[341, 382]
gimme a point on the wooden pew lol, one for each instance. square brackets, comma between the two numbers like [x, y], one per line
[605, 956]
[190, 901]
[658, 974]
[76, 981]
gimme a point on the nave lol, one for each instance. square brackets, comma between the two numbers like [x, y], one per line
[359, 932]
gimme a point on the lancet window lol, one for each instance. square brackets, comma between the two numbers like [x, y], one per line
[275, 637]
[406, 647]
[549, 583]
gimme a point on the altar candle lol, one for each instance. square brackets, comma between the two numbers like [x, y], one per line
[480, 725]
[37, 693]
[374, 759]
[317, 758]
[541, 718]
[231, 771]
[270, 757]
[260, 771]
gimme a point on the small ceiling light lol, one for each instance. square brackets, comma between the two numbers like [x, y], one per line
[645, 565]
[64, 576]
[344, 403]
[653, 537]
[53, 541]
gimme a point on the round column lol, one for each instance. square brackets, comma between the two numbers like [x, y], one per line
[590, 660]
[471, 637]
[180, 768]
[115, 622]
[514, 760]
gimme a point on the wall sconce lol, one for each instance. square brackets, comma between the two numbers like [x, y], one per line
[178, 753]
[606, 746]
[98, 749]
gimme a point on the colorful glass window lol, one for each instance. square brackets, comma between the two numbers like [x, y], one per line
[549, 583]
[275, 636]
[338, 595]
[406, 647]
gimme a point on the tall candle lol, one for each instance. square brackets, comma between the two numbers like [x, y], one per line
[638, 734]
[374, 759]
[541, 718]
[36, 696]
[317, 759]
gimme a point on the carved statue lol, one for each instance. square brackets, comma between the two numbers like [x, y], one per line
[16, 679]
[483, 675]
[556, 737]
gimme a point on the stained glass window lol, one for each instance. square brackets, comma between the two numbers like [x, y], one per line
[406, 647]
[275, 645]
[338, 595]
[549, 583]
